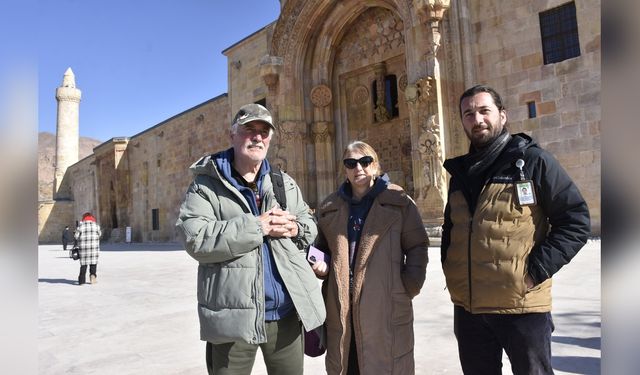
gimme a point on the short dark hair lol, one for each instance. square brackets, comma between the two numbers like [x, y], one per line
[497, 100]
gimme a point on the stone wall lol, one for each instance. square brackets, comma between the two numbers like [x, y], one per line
[508, 56]
[83, 175]
[159, 159]
[53, 216]
[245, 82]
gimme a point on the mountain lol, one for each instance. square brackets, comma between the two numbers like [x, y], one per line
[47, 159]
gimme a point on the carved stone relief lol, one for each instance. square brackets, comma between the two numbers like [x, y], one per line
[320, 96]
[380, 112]
[430, 149]
[377, 35]
[289, 131]
[360, 95]
[419, 93]
[402, 82]
[320, 132]
[279, 158]
[284, 30]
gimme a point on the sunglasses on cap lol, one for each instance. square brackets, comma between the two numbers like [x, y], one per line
[364, 161]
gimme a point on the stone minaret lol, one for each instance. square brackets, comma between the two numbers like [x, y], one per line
[67, 132]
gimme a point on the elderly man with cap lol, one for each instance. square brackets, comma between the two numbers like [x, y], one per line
[255, 287]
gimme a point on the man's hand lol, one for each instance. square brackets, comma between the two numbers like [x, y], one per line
[528, 280]
[278, 223]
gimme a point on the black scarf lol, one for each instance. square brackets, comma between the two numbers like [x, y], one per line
[477, 161]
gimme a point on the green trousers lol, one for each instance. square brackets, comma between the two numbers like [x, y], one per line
[283, 352]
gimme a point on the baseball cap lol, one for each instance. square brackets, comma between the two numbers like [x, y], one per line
[253, 112]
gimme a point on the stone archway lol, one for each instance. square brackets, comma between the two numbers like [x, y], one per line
[315, 100]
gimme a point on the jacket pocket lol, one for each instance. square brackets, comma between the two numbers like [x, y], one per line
[224, 287]
[208, 277]
[402, 325]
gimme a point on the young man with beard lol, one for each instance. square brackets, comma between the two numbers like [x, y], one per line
[255, 287]
[513, 219]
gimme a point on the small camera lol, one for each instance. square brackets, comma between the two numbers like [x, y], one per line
[312, 258]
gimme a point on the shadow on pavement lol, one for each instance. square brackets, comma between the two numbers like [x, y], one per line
[58, 281]
[577, 365]
[589, 342]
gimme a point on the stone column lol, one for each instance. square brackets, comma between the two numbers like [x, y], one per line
[67, 132]
[424, 99]
[321, 136]
[322, 131]
[289, 152]
[270, 69]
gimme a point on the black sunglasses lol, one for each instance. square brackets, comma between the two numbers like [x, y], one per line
[363, 161]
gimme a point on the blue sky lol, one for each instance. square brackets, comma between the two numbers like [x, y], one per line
[139, 62]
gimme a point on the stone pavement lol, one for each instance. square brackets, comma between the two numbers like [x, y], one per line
[140, 318]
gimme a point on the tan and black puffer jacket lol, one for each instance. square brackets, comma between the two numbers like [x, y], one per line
[489, 246]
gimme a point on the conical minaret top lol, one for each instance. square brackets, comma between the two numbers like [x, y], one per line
[69, 79]
[67, 132]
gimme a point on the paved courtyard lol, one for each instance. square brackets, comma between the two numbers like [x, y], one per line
[140, 318]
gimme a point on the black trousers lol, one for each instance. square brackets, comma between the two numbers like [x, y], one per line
[82, 278]
[526, 338]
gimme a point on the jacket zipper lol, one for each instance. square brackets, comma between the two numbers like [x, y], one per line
[276, 294]
[260, 334]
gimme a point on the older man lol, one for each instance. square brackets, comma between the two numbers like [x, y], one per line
[254, 283]
[513, 219]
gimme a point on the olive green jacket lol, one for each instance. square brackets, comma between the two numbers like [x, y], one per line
[222, 234]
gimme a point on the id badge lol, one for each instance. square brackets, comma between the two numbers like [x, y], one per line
[526, 193]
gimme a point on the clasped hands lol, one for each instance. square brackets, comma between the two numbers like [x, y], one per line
[278, 223]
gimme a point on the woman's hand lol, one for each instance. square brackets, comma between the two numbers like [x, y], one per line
[320, 268]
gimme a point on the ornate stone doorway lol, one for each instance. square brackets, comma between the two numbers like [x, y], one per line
[369, 80]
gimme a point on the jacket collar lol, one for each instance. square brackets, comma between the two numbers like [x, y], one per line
[516, 146]
[388, 196]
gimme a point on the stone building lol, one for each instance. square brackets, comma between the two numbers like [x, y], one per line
[388, 72]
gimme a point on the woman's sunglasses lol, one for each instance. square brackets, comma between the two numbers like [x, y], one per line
[364, 161]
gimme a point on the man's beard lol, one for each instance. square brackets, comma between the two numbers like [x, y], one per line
[479, 141]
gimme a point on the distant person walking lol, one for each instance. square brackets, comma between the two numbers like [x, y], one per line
[88, 236]
[67, 237]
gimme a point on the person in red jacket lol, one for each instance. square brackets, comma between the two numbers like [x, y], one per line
[88, 236]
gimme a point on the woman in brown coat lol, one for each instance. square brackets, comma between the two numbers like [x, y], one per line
[378, 246]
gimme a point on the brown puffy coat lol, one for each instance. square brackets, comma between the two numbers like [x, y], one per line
[389, 271]
[492, 257]
[489, 244]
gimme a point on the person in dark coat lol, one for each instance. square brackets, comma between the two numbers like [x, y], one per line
[67, 237]
[513, 218]
[88, 236]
